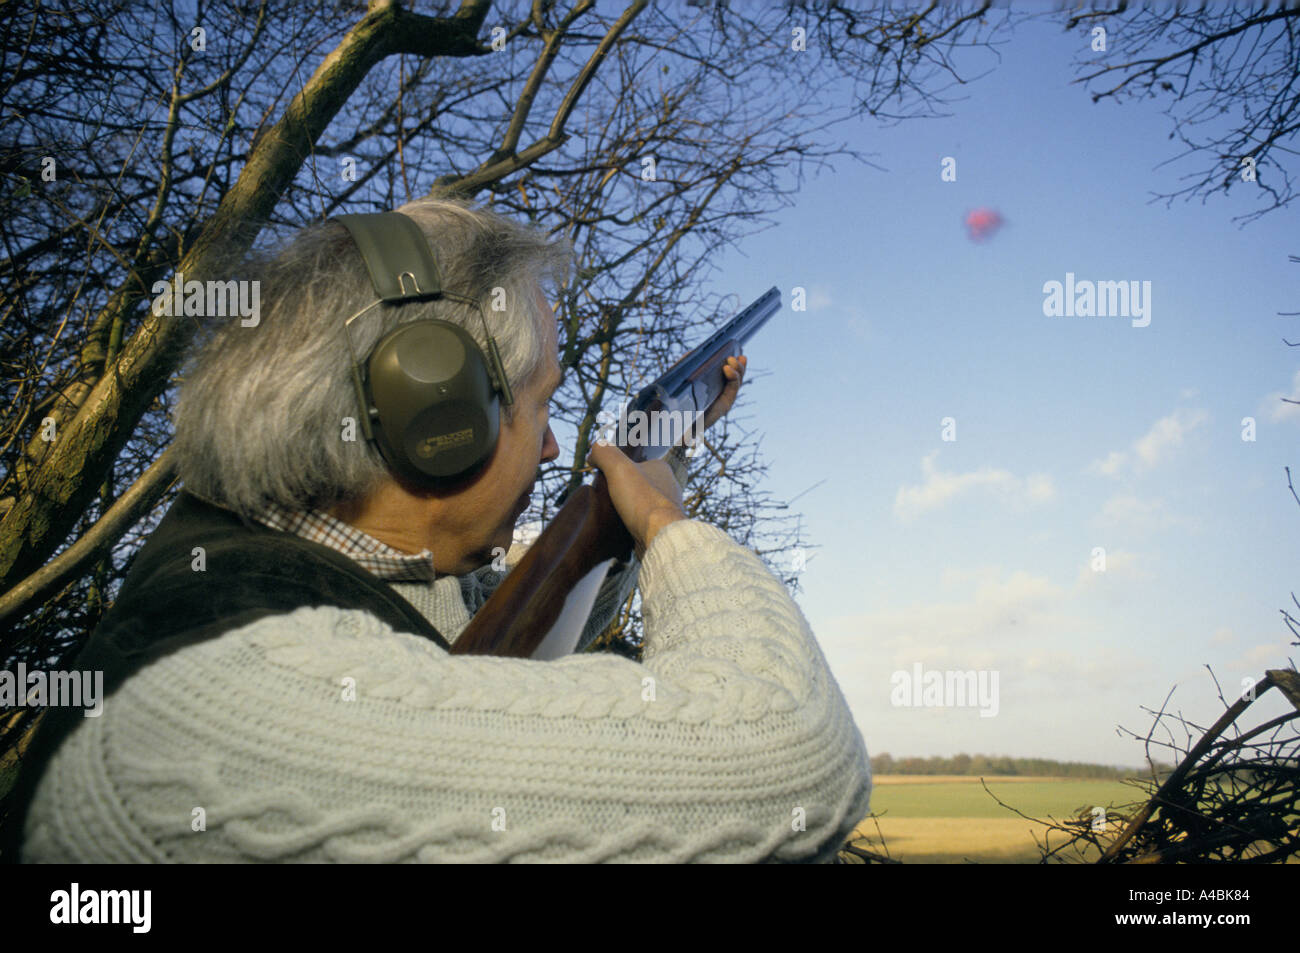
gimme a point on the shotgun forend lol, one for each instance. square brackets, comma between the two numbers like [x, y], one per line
[690, 386]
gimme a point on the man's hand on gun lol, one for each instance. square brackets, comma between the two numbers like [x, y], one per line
[646, 495]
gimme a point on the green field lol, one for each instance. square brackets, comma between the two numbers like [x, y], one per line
[1037, 798]
[950, 820]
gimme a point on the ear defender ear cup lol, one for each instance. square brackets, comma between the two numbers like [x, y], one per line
[431, 400]
[436, 413]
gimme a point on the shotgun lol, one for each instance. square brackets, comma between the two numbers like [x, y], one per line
[587, 530]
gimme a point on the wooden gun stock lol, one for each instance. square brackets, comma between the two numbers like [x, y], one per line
[586, 532]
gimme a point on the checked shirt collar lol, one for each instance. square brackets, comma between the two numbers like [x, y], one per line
[378, 558]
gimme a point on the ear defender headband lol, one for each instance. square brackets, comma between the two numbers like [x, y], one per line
[430, 398]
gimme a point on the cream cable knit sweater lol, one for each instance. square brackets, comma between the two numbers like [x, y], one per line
[730, 742]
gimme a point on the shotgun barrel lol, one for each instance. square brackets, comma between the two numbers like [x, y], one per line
[691, 385]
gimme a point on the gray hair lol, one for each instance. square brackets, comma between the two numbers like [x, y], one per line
[261, 411]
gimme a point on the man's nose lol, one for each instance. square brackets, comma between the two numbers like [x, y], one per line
[550, 447]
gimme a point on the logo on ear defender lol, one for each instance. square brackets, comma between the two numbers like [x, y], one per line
[432, 446]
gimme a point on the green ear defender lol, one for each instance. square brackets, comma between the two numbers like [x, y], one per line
[430, 398]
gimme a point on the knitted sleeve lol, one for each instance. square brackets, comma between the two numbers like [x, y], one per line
[323, 735]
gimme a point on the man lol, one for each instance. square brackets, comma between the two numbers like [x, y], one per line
[279, 685]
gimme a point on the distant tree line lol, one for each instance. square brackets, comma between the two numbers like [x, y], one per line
[981, 764]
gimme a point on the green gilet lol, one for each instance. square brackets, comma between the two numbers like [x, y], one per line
[165, 604]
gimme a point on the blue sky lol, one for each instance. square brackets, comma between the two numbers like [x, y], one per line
[1071, 432]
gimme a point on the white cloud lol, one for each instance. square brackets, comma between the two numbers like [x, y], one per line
[1277, 409]
[1266, 655]
[860, 328]
[1002, 615]
[1166, 434]
[1111, 466]
[1039, 488]
[818, 298]
[1245, 669]
[1016, 623]
[1119, 562]
[1154, 446]
[1055, 659]
[1092, 668]
[1129, 511]
[941, 488]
